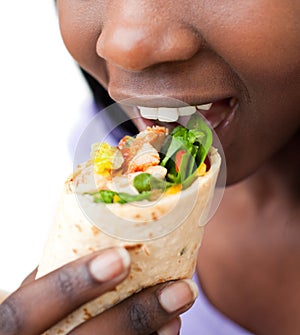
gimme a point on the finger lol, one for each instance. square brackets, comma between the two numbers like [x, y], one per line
[171, 328]
[145, 312]
[35, 307]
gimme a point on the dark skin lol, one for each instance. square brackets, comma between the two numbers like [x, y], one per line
[249, 260]
[39, 304]
[202, 51]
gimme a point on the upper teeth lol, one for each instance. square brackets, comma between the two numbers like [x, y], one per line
[168, 114]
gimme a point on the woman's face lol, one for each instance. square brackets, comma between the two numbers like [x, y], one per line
[242, 56]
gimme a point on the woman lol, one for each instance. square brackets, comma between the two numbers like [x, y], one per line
[243, 57]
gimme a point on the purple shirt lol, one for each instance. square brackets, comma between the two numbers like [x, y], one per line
[203, 318]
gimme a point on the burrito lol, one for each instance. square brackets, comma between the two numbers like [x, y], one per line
[151, 194]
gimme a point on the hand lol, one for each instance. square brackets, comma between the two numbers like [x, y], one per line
[39, 304]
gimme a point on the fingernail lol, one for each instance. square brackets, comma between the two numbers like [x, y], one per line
[178, 295]
[172, 328]
[110, 264]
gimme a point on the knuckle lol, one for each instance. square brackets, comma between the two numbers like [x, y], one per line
[71, 281]
[10, 318]
[140, 319]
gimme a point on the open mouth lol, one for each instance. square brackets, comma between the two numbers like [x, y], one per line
[218, 114]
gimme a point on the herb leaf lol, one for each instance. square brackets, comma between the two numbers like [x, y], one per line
[196, 141]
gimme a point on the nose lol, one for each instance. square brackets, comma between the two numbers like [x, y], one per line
[135, 39]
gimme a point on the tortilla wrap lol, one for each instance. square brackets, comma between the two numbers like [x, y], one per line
[172, 256]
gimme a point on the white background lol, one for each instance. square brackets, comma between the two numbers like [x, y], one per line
[41, 94]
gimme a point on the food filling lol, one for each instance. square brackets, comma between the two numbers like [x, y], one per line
[153, 163]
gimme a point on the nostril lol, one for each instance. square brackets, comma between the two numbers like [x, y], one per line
[139, 47]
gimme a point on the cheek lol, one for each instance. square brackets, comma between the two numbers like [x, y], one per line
[260, 39]
[80, 29]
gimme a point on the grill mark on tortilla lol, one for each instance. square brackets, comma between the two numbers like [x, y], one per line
[134, 247]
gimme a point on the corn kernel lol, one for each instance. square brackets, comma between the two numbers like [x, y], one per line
[105, 158]
[173, 189]
[201, 171]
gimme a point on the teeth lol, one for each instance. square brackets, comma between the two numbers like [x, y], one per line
[166, 114]
[149, 113]
[205, 107]
[187, 111]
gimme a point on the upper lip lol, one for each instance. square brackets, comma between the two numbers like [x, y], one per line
[156, 101]
[187, 83]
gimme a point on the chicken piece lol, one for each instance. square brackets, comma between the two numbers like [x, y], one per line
[145, 157]
[125, 142]
[155, 136]
[157, 171]
[136, 150]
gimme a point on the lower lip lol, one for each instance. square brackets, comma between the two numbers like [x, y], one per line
[221, 115]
